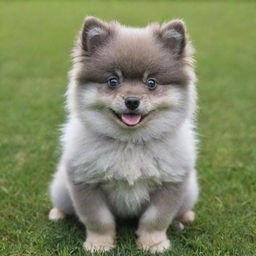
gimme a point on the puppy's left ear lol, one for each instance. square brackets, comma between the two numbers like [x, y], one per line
[173, 35]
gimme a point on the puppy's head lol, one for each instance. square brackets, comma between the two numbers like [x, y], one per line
[132, 83]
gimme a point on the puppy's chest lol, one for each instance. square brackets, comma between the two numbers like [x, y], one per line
[128, 200]
[129, 163]
[128, 174]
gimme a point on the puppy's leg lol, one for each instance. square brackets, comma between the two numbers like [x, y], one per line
[92, 210]
[158, 216]
[60, 195]
[185, 213]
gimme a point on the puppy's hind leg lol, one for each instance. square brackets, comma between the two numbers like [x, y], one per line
[186, 218]
[56, 214]
[60, 197]
[185, 214]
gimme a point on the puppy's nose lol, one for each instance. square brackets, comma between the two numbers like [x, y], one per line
[132, 102]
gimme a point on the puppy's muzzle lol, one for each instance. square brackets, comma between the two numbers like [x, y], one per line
[132, 103]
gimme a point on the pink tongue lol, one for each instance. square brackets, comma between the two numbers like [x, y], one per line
[130, 119]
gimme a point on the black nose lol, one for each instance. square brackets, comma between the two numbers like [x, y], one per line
[132, 102]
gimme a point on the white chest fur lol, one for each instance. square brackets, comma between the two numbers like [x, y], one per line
[107, 160]
[125, 199]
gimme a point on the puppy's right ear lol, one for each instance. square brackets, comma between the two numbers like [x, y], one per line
[94, 34]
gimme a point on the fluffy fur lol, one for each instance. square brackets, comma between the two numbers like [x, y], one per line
[109, 169]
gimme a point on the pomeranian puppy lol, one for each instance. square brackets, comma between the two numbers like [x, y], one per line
[129, 149]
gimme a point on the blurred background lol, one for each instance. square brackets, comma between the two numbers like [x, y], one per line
[36, 38]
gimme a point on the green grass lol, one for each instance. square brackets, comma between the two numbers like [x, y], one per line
[35, 42]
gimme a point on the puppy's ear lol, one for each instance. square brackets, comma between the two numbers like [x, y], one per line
[173, 35]
[94, 34]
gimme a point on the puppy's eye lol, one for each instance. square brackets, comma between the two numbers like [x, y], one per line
[113, 83]
[151, 84]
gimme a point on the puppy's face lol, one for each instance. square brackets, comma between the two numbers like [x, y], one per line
[132, 83]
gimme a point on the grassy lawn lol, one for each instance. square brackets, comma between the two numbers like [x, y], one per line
[35, 42]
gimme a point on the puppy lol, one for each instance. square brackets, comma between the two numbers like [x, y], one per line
[129, 149]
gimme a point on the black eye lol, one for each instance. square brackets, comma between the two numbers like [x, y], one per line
[151, 84]
[113, 83]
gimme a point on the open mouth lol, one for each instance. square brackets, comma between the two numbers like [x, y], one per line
[129, 119]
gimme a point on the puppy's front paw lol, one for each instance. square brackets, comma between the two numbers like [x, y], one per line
[99, 242]
[56, 214]
[154, 242]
